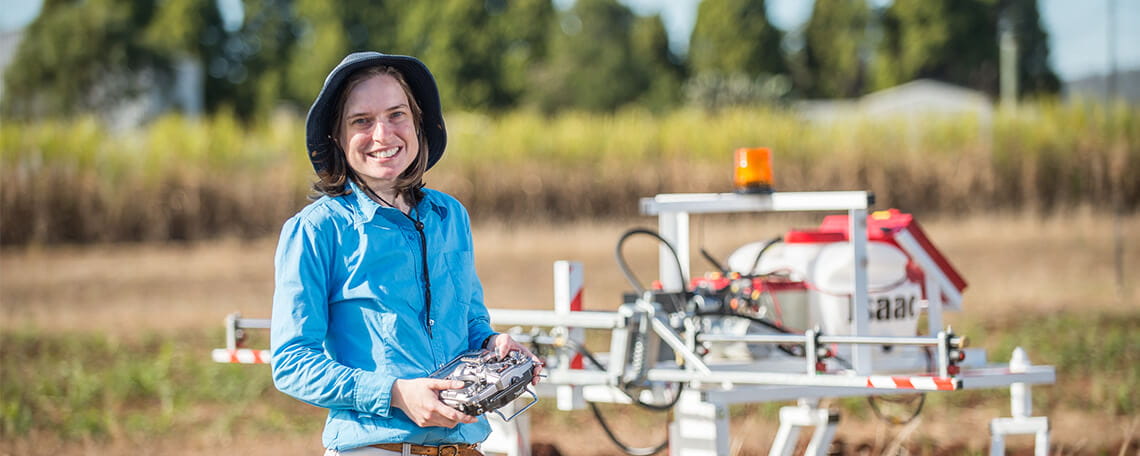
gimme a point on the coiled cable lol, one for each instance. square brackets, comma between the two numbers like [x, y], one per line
[619, 255]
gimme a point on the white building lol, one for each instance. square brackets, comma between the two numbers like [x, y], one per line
[919, 98]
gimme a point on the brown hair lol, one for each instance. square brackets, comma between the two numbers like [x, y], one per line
[333, 178]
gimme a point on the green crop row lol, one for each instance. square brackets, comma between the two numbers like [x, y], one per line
[88, 385]
[84, 385]
[180, 178]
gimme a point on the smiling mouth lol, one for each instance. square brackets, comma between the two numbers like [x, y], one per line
[385, 153]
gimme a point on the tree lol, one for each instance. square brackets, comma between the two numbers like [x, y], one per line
[735, 37]
[481, 56]
[1034, 73]
[330, 29]
[953, 41]
[835, 49]
[81, 56]
[89, 56]
[248, 72]
[524, 27]
[664, 72]
[189, 33]
[590, 62]
[957, 41]
[735, 56]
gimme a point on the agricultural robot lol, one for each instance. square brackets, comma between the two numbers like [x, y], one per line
[830, 312]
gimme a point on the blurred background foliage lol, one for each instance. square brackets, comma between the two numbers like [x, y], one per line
[81, 56]
[183, 179]
[554, 110]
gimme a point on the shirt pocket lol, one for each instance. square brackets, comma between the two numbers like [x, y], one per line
[460, 271]
[451, 293]
[362, 335]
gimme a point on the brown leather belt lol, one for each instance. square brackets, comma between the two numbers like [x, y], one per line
[462, 449]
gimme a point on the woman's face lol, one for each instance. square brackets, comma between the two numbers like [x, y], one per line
[378, 134]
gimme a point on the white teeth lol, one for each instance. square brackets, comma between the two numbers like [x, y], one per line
[388, 153]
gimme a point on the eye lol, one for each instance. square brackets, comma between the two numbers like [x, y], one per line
[359, 121]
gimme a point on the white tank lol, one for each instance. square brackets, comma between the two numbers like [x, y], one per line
[893, 300]
[742, 259]
[823, 260]
[793, 258]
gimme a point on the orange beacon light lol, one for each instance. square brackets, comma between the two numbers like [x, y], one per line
[752, 171]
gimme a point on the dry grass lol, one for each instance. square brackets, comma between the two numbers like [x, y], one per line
[185, 179]
[1013, 262]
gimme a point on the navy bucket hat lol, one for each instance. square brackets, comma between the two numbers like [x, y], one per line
[318, 124]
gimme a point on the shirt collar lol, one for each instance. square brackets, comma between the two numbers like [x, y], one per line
[366, 208]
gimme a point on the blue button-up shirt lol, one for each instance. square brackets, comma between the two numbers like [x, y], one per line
[349, 313]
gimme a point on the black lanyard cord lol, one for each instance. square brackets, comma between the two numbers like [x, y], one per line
[427, 277]
[423, 250]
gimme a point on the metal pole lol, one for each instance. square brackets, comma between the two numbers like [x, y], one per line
[1008, 62]
[231, 330]
[857, 220]
[1118, 200]
[568, 298]
[943, 355]
[674, 227]
[852, 340]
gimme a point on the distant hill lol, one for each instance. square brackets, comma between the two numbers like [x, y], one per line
[1127, 86]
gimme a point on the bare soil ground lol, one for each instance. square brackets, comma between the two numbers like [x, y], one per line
[1015, 264]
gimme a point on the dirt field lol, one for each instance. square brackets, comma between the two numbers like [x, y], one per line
[1015, 264]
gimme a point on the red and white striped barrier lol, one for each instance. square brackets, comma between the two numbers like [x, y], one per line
[568, 285]
[241, 356]
[916, 383]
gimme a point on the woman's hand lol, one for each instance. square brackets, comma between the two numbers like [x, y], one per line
[419, 399]
[503, 345]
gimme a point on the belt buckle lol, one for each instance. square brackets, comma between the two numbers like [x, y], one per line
[448, 450]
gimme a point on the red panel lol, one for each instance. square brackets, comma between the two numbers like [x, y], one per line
[883, 225]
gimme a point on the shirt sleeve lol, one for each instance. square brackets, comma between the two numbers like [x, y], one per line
[301, 368]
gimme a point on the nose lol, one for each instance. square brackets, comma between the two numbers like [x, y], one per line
[380, 131]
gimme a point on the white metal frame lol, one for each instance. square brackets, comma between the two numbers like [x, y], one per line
[806, 414]
[1021, 407]
[673, 209]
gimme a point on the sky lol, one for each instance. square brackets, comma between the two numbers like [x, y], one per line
[1078, 29]
[1078, 38]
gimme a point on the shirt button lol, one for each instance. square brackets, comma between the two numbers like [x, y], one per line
[431, 322]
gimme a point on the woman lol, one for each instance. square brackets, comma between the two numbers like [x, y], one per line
[375, 281]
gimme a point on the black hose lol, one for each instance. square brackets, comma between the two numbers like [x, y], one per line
[763, 321]
[634, 451]
[873, 401]
[620, 257]
[639, 353]
[789, 350]
[646, 451]
[636, 400]
[756, 262]
[716, 264]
